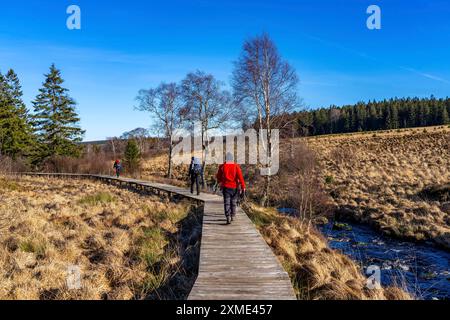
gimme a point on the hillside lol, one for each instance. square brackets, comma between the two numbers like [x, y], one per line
[383, 179]
[380, 178]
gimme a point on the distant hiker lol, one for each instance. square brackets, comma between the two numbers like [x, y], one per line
[230, 178]
[117, 167]
[196, 174]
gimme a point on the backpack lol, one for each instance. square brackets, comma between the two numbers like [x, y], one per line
[197, 168]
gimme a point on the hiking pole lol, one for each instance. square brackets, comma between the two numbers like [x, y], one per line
[215, 187]
[241, 198]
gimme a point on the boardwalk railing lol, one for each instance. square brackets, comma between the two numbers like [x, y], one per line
[235, 261]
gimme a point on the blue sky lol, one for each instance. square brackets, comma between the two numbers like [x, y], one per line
[125, 46]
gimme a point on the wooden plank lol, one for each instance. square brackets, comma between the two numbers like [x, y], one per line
[235, 261]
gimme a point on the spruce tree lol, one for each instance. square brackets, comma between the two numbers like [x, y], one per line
[394, 116]
[347, 121]
[425, 114]
[444, 118]
[55, 120]
[373, 117]
[388, 118]
[16, 138]
[361, 116]
[412, 116]
[132, 156]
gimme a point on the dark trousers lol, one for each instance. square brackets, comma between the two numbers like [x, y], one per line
[195, 178]
[230, 197]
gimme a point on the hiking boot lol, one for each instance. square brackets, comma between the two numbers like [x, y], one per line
[228, 220]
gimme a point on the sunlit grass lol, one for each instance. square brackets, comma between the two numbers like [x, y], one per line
[98, 198]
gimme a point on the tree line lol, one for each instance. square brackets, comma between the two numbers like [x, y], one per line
[374, 115]
[52, 129]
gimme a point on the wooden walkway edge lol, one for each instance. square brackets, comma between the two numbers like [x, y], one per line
[235, 261]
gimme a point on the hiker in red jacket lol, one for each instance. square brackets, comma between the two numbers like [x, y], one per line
[230, 178]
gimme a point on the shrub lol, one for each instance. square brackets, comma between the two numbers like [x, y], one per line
[305, 191]
[8, 165]
[132, 156]
[89, 163]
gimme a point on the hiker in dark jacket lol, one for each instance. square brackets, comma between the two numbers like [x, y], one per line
[231, 180]
[195, 174]
[117, 167]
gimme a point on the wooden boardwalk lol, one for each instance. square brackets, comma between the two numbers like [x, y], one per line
[235, 261]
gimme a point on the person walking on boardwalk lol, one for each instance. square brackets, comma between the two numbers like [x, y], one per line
[230, 178]
[117, 167]
[195, 174]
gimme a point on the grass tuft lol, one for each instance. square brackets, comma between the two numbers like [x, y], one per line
[151, 244]
[31, 246]
[7, 184]
[98, 198]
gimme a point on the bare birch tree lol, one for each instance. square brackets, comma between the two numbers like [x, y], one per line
[207, 104]
[165, 104]
[113, 142]
[265, 87]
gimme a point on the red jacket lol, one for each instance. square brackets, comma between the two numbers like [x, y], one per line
[230, 175]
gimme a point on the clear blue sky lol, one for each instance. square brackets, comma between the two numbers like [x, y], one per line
[125, 46]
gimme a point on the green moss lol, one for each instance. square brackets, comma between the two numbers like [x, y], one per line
[342, 226]
[8, 185]
[329, 179]
[260, 219]
[98, 198]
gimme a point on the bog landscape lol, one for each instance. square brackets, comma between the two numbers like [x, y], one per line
[358, 208]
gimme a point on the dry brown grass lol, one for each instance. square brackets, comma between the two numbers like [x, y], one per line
[316, 271]
[154, 168]
[377, 178]
[157, 166]
[127, 245]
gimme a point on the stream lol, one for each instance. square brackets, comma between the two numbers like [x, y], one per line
[423, 270]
